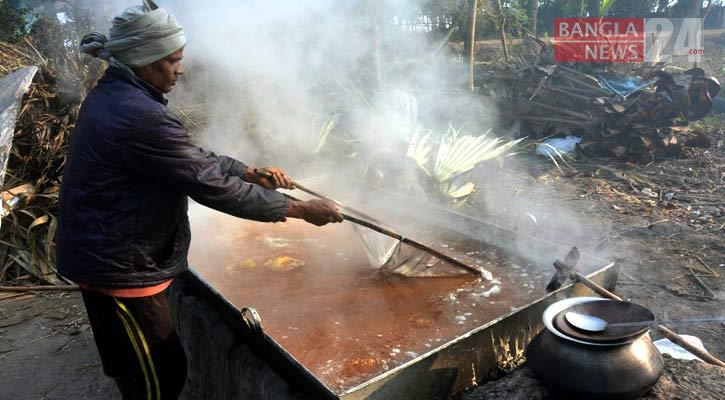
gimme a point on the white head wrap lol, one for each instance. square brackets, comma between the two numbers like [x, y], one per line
[138, 37]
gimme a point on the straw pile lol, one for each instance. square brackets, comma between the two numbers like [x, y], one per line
[32, 183]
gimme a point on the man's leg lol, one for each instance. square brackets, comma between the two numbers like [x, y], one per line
[159, 352]
[129, 388]
[138, 345]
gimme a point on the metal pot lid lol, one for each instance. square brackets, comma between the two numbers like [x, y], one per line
[561, 305]
[611, 312]
[551, 312]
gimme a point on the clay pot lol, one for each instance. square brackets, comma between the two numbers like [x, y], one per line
[595, 372]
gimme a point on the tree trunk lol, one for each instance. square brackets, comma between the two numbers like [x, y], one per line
[471, 41]
[501, 16]
[468, 38]
[533, 13]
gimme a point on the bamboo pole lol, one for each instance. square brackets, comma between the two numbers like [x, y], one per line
[471, 36]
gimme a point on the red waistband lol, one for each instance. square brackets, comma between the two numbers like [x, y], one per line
[130, 292]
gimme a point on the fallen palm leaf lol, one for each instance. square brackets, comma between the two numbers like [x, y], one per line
[453, 155]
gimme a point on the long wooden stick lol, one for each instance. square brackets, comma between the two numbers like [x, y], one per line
[596, 288]
[680, 341]
[43, 288]
[411, 242]
[666, 332]
[376, 227]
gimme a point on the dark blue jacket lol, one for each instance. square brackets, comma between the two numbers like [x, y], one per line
[123, 200]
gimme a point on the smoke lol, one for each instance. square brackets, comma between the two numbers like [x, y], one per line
[270, 77]
[272, 74]
[263, 67]
[333, 88]
[544, 216]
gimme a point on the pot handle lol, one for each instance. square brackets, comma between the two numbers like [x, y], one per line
[251, 318]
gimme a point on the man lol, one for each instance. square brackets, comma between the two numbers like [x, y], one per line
[123, 231]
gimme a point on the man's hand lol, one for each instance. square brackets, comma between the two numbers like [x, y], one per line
[269, 177]
[316, 212]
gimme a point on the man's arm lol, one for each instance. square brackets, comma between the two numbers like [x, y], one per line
[163, 152]
[234, 167]
[229, 165]
[316, 212]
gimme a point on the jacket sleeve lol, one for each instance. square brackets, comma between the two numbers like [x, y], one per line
[163, 151]
[229, 165]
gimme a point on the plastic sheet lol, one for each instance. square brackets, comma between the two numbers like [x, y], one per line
[12, 89]
[564, 145]
[624, 85]
[665, 346]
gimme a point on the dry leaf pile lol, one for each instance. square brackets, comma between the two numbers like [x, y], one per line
[40, 141]
[634, 112]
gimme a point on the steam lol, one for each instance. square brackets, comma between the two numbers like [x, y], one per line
[295, 84]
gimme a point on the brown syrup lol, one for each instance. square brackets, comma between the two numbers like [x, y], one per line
[319, 298]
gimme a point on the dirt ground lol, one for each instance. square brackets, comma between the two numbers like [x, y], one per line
[47, 349]
[680, 380]
[666, 229]
[664, 223]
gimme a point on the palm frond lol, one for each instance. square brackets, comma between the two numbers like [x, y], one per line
[457, 154]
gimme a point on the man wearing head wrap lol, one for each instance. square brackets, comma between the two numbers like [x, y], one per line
[123, 231]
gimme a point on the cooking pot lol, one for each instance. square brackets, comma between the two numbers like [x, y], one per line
[577, 369]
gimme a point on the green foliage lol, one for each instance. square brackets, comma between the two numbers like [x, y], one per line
[442, 7]
[713, 60]
[605, 6]
[572, 8]
[631, 8]
[548, 10]
[624, 8]
[47, 29]
[708, 125]
[452, 11]
[56, 41]
[12, 22]
[487, 19]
